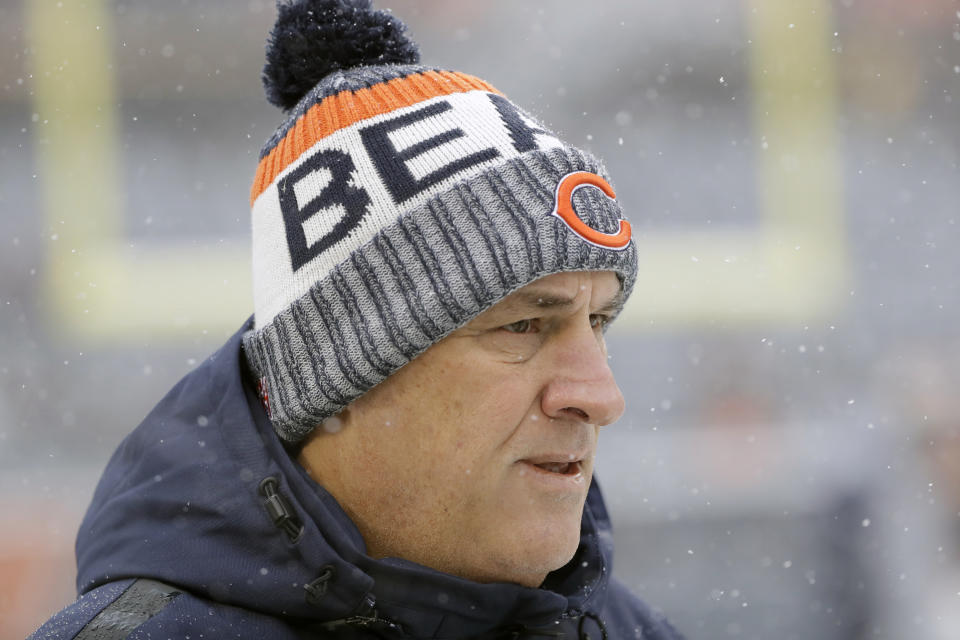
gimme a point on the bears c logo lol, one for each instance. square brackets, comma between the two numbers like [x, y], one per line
[563, 209]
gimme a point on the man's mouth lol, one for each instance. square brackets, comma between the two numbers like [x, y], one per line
[562, 468]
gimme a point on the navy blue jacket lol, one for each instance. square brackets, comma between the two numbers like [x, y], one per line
[203, 526]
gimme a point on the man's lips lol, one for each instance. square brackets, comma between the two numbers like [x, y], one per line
[562, 468]
[568, 464]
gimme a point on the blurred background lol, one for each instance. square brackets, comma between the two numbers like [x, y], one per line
[789, 465]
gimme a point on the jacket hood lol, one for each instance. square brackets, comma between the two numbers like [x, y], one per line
[183, 500]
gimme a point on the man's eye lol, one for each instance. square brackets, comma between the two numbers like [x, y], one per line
[599, 321]
[520, 326]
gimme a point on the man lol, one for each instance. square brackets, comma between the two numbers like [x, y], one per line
[400, 443]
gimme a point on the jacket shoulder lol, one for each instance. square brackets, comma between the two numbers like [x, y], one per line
[73, 618]
[142, 608]
[626, 616]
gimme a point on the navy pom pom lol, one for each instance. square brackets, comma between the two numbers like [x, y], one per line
[313, 38]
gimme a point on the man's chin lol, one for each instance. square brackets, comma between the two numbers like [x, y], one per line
[542, 547]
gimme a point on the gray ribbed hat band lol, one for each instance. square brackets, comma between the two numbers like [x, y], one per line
[441, 264]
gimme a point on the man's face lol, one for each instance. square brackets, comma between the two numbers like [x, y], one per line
[476, 457]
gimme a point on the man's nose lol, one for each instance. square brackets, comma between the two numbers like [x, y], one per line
[581, 385]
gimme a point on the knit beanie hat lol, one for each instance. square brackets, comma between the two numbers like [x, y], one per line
[394, 204]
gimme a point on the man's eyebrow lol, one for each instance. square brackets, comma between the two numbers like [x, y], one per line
[545, 300]
[540, 300]
[614, 306]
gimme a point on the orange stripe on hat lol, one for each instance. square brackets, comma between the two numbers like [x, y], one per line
[349, 107]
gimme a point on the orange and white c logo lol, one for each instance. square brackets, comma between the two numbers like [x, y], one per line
[563, 209]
